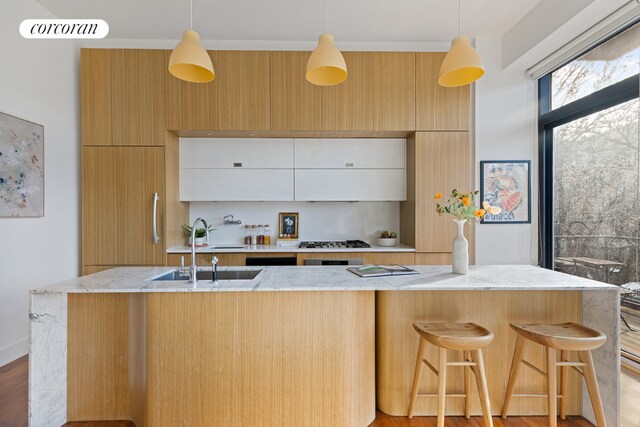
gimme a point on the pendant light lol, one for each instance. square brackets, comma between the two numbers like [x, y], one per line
[189, 60]
[326, 66]
[462, 65]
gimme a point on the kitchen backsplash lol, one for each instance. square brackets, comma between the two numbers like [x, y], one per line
[318, 220]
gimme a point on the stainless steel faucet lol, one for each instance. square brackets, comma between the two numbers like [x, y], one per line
[193, 269]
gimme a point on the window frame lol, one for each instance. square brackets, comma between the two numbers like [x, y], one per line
[548, 119]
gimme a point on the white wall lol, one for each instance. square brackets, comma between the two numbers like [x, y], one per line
[39, 81]
[505, 129]
[318, 220]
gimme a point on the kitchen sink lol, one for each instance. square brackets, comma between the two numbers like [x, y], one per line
[207, 275]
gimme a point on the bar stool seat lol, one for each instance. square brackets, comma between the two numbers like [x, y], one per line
[466, 337]
[455, 336]
[564, 337]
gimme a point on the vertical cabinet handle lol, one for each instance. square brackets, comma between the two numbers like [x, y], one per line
[155, 219]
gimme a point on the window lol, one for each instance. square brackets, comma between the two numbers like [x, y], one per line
[590, 171]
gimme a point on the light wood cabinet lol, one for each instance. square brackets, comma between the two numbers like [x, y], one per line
[95, 83]
[438, 108]
[394, 76]
[119, 184]
[138, 96]
[296, 104]
[244, 90]
[437, 162]
[405, 258]
[191, 106]
[349, 105]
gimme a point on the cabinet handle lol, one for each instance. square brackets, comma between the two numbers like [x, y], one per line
[155, 219]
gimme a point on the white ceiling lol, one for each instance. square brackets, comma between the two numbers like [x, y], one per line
[298, 20]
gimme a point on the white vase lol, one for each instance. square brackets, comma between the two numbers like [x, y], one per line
[460, 252]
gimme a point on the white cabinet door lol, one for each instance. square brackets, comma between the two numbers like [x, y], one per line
[223, 153]
[236, 185]
[350, 184]
[356, 153]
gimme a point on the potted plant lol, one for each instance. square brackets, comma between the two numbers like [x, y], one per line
[462, 207]
[200, 234]
[387, 239]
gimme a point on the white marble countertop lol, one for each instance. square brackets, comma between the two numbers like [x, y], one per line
[231, 248]
[312, 278]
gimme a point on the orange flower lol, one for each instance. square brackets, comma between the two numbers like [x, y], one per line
[438, 196]
[466, 201]
[479, 213]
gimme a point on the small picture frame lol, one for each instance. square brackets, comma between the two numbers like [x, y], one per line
[288, 225]
[507, 185]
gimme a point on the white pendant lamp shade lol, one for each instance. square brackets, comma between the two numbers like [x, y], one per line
[326, 66]
[190, 61]
[462, 65]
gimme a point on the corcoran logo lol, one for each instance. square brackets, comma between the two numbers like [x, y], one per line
[64, 29]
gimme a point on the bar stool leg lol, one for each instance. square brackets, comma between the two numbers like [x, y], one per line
[442, 385]
[483, 391]
[552, 388]
[564, 380]
[592, 386]
[467, 385]
[513, 374]
[416, 376]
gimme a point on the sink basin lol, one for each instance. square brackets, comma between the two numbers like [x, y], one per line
[206, 275]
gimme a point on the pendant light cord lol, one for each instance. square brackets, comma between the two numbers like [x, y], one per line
[326, 13]
[459, 18]
[191, 18]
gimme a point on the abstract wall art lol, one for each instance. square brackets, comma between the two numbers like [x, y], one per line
[506, 184]
[21, 168]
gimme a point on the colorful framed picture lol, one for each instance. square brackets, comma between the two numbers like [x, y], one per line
[21, 168]
[288, 225]
[506, 184]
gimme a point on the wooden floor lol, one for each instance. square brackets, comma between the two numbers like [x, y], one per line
[13, 408]
[630, 338]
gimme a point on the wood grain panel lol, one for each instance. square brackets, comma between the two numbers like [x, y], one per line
[264, 358]
[244, 90]
[408, 206]
[394, 90]
[204, 260]
[138, 96]
[349, 105]
[95, 91]
[293, 134]
[118, 188]
[442, 164]
[177, 212]
[296, 104]
[102, 341]
[433, 258]
[191, 106]
[405, 258]
[438, 108]
[90, 269]
[397, 344]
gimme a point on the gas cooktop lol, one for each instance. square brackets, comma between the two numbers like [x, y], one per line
[345, 244]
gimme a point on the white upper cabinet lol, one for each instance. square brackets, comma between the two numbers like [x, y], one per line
[336, 185]
[222, 153]
[356, 153]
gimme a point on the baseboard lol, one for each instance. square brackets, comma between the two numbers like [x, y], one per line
[14, 351]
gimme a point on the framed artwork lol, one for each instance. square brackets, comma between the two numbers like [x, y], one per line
[506, 184]
[21, 168]
[288, 225]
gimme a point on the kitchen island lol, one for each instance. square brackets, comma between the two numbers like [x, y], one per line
[294, 346]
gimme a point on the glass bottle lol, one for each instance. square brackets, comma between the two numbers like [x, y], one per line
[247, 234]
[260, 235]
[254, 235]
[267, 235]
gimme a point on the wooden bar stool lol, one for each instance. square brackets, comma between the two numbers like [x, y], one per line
[466, 337]
[565, 337]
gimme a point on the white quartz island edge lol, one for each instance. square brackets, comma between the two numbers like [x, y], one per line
[48, 313]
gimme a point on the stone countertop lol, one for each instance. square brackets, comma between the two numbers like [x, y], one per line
[312, 278]
[231, 248]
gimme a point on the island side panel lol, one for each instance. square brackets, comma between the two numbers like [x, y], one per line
[397, 345]
[601, 311]
[261, 358]
[47, 359]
